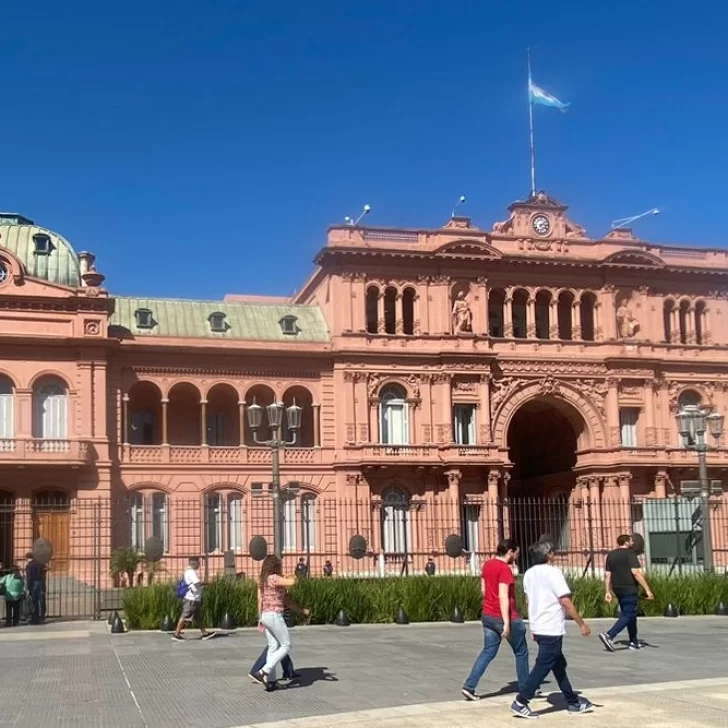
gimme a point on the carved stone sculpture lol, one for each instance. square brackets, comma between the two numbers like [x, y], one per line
[627, 324]
[462, 316]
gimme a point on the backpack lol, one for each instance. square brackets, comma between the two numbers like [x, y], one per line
[182, 588]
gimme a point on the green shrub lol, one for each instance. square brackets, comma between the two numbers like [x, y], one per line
[424, 598]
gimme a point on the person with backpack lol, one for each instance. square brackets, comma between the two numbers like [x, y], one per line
[13, 586]
[189, 590]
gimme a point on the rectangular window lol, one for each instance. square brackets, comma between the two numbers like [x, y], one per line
[235, 523]
[6, 416]
[470, 531]
[216, 429]
[136, 508]
[213, 523]
[289, 524]
[160, 519]
[142, 428]
[394, 423]
[308, 523]
[628, 426]
[464, 424]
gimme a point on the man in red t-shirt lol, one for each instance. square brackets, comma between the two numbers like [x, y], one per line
[500, 617]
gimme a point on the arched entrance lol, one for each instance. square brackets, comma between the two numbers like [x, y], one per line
[543, 440]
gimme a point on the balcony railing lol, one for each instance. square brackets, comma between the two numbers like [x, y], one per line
[41, 451]
[193, 454]
[427, 453]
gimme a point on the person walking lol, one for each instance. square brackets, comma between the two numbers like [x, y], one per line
[623, 576]
[35, 579]
[13, 585]
[549, 600]
[190, 590]
[272, 588]
[500, 618]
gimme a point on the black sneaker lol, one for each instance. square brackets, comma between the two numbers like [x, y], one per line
[607, 642]
[271, 686]
[177, 638]
[469, 694]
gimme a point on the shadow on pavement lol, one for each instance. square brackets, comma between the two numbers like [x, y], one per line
[311, 675]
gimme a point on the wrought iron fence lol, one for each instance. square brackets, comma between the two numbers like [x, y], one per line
[99, 543]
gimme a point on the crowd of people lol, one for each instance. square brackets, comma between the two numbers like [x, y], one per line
[549, 605]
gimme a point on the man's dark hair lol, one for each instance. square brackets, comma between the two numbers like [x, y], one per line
[194, 560]
[506, 545]
[623, 539]
[28, 555]
[540, 552]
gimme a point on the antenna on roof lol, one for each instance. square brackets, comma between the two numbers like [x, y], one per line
[624, 221]
[353, 223]
[461, 201]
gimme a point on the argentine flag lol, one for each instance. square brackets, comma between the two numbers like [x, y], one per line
[541, 97]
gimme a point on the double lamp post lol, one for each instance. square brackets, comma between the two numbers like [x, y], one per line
[274, 413]
[692, 423]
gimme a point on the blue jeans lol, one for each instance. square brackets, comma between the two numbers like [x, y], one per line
[628, 617]
[550, 658]
[37, 600]
[492, 630]
[286, 664]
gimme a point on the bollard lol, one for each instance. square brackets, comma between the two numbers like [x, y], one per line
[342, 619]
[167, 624]
[401, 617]
[457, 616]
[227, 622]
[117, 626]
[670, 610]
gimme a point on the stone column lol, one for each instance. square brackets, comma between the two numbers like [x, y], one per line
[650, 429]
[317, 424]
[613, 412]
[453, 481]
[358, 303]
[412, 438]
[531, 318]
[707, 337]
[598, 327]
[480, 307]
[423, 308]
[625, 497]
[485, 435]
[380, 312]
[165, 438]
[596, 515]
[399, 314]
[660, 484]
[428, 435]
[125, 419]
[554, 318]
[609, 322]
[241, 422]
[203, 423]
[508, 314]
[675, 324]
[611, 510]
[576, 322]
[690, 326]
[492, 512]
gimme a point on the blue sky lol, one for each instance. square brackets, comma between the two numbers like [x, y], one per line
[202, 148]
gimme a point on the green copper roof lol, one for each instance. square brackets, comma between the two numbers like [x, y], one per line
[251, 321]
[59, 266]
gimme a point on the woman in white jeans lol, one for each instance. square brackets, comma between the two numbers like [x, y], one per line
[271, 598]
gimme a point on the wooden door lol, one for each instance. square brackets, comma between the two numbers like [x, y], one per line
[55, 526]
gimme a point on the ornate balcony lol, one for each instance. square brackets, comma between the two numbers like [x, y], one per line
[36, 451]
[200, 454]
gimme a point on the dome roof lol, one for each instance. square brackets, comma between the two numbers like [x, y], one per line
[45, 254]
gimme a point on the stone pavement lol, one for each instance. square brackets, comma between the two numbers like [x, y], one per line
[78, 675]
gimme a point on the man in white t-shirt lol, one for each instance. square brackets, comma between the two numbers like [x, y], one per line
[191, 602]
[549, 601]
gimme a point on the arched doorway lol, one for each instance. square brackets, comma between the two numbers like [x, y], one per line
[543, 440]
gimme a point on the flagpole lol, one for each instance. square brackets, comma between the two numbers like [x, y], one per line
[530, 129]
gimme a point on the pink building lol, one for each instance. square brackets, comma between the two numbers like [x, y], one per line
[452, 380]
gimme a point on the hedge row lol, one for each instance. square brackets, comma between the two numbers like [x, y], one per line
[425, 599]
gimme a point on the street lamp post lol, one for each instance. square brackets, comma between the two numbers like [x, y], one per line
[692, 424]
[276, 444]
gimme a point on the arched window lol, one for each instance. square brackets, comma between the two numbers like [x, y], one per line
[50, 410]
[587, 306]
[223, 522]
[564, 309]
[393, 416]
[667, 318]
[395, 522]
[6, 414]
[519, 307]
[148, 517]
[372, 310]
[496, 302]
[690, 398]
[408, 311]
[699, 323]
[390, 311]
[543, 318]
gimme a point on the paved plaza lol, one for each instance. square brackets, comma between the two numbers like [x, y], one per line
[76, 674]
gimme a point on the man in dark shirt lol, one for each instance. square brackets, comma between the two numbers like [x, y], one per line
[35, 576]
[301, 568]
[623, 576]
